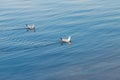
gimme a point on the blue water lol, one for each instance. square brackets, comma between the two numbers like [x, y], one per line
[93, 55]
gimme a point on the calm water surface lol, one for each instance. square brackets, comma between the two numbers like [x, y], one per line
[93, 25]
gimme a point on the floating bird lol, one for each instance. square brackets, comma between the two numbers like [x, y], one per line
[30, 27]
[68, 40]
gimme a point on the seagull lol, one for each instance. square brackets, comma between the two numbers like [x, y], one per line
[68, 40]
[30, 27]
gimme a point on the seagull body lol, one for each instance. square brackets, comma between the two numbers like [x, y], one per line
[30, 27]
[68, 40]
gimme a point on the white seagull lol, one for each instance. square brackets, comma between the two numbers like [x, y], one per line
[30, 27]
[68, 40]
